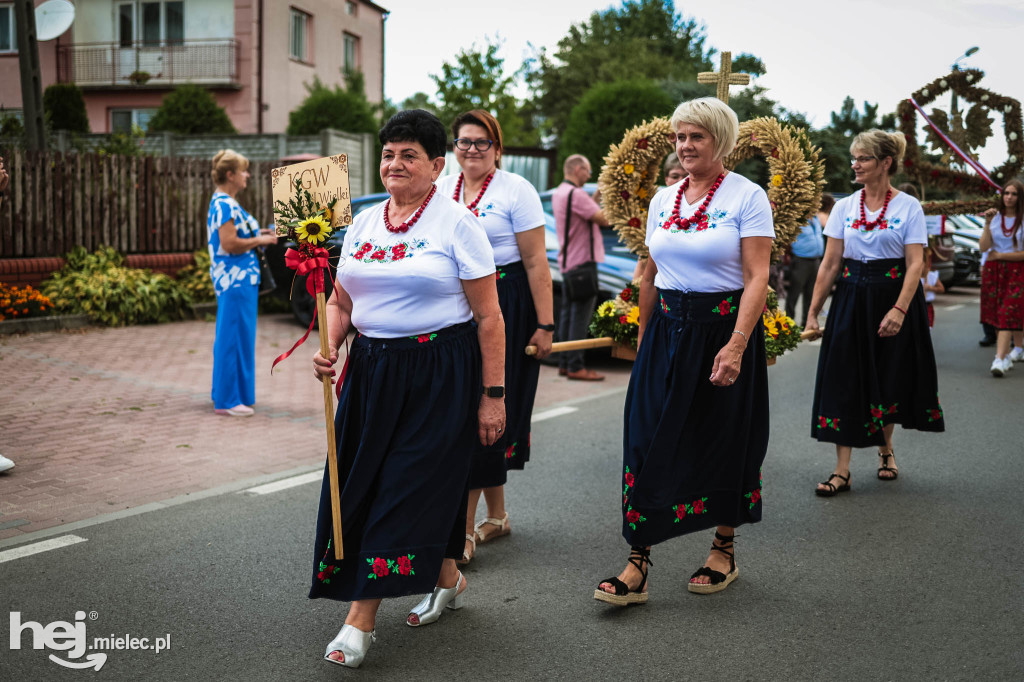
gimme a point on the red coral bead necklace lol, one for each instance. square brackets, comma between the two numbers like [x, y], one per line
[1002, 226]
[700, 216]
[880, 222]
[404, 227]
[458, 191]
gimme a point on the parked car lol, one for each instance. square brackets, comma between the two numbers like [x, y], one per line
[965, 230]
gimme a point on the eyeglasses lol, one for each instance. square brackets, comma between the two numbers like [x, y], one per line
[862, 159]
[465, 144]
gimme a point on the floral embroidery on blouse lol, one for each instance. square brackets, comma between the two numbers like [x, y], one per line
[482, 212]
[883, 224]
[423, 338]
[894, 273]
[368, 252]
[634, 517]
[382, 568]
[725, 307]
[707, 221]
[694, 508]
[828, 423]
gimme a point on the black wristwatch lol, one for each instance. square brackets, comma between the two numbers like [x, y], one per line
[546, 327]
[494, 391]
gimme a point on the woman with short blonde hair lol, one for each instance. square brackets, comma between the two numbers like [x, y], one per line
[233, 237]
[876, 366]
[696, 413]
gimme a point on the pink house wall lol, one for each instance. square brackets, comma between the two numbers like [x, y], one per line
[10, 80]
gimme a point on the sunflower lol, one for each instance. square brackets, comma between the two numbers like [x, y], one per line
[606, 309]
[634, 315]
[313, 230]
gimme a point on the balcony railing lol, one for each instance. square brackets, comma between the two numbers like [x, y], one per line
[207, 62]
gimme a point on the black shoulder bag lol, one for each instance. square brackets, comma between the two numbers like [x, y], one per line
[581, 282]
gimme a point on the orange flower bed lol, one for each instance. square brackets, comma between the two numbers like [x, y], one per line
[25, 301]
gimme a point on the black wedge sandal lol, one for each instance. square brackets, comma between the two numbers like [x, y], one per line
[719, 581]
[639, 557]
[833, 489]
[886, 456]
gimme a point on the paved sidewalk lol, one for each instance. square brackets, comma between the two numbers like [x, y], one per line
[101, 420]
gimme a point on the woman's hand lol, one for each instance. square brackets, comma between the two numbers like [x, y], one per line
[989, 215]
[267, 237]
[542, 340]
[891, 323]
[491, 419]
[727, 363]
[811, 325]
[324, 368]
[994, 255]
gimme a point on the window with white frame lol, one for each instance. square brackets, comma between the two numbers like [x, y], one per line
[151, 23]
[8, 41]
[124, 120]
[298, 44]
[351, 43]
[350, 8]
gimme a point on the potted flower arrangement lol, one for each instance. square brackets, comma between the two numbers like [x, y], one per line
[619, 319]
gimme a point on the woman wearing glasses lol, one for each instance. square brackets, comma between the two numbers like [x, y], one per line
[876, 367]
[510, 211]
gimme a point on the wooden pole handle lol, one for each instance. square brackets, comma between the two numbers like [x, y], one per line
[581, 344]
[332, 448]
[812, 334]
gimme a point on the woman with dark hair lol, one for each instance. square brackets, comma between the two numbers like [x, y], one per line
[423, 383]
[1002, 278]
[233, 236]
[696, 413]
[510, 211]
[876, 366]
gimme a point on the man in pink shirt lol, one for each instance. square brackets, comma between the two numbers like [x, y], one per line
[584, 245]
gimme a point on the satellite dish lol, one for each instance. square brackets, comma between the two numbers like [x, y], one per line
[53, 17]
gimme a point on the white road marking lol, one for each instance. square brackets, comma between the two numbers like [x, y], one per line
[552, 413]
[37, 547]
[285, 483]
[955, 306]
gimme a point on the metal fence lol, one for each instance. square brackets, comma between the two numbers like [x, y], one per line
[207, 62]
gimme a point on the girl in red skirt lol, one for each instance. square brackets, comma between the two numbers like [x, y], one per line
[1002, 278]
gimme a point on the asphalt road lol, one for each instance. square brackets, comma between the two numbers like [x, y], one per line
[915, 579]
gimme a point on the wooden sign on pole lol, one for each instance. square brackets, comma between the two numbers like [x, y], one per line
[325, 179]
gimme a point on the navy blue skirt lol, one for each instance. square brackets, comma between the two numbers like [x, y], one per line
[512, 450]
[864, 381]
[406, 427]
[692, 451]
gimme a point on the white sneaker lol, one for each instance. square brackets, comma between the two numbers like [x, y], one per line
[5, 463]
[1007, 363]
[998, 367]
[237, 411]
[1017, 354]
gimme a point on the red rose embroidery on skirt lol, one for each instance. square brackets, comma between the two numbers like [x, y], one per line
[380, 567]
[404, 565]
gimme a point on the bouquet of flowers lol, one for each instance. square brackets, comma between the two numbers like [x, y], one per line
[619, 317]
[305, 222]
[781, 333]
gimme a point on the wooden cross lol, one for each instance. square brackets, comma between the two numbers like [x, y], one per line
[724, 78]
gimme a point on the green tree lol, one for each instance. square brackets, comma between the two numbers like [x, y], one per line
[641, 39]
[835, 140]
[64, 108]
[477, 80]
[340, 108]
[190, 109]
[604, 114]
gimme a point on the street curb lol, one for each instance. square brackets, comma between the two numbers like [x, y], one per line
[52, 323]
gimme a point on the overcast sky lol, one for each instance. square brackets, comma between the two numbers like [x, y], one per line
[816, 53]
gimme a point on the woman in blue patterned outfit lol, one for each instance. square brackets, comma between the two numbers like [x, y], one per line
[232, 234]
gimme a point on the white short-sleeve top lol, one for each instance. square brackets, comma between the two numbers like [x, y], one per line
[1002, 243]
[509, 206]
[904, 224]
[707, 259]
[410, 283]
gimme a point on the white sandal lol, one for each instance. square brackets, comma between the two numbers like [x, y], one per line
[467, 554]
[502, 529]
[353, 643]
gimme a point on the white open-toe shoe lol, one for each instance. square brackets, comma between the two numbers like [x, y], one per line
[353, 643]
[434, 604]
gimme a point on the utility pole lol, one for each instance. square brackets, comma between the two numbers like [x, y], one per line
[31, 85]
